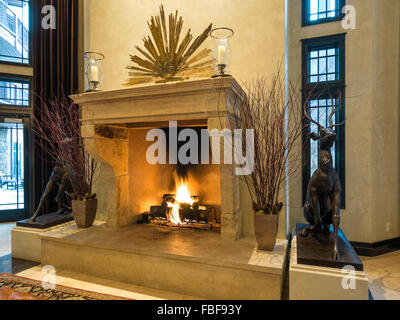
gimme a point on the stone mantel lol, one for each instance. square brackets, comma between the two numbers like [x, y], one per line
[114, 125]
[159, 102]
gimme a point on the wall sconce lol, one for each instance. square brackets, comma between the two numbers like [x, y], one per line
[93, 71]
[222, 51]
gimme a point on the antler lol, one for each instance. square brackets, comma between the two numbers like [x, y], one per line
[331, 124]
[310, 119]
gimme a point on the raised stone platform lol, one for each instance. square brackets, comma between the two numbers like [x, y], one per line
[318, 251]
[26, 243]
[191, 262]
[315, 282]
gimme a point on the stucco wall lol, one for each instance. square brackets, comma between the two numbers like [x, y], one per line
[114, 27]
[372, 112]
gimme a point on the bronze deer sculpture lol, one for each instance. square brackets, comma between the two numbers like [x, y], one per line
[322, 207]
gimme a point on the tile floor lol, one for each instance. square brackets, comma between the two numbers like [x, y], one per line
[384, 275]
[382, 271]
[5, 238]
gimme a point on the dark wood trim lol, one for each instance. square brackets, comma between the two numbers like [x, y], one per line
[307, 23]
[377, 248]
[55, 74]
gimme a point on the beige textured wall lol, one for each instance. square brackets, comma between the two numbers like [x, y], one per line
[372, 112]
[385, 124]
[114, 27]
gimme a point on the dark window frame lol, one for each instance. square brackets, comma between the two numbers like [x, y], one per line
[23, 113]
[30, 42]
[20, 214]
[306, 13]
[325, 90]
[16, 78]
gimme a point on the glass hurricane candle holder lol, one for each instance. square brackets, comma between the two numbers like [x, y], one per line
[222, 51]
[93, 71]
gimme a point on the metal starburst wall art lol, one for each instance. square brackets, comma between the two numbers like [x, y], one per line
[164, 58]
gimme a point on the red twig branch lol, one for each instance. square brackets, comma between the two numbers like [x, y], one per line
[57, 125]
[277, 121]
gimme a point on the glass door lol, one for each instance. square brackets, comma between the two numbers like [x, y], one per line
[12, 171]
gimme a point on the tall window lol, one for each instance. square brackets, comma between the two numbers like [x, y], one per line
[324, 78]
[14, 31]
[322, 11]
[15, 108]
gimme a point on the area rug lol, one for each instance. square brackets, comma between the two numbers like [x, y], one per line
[34, 287]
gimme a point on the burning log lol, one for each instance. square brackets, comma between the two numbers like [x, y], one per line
[204, 214]
[192, 215]
[199, 213]
[164, 222]
[158, 212]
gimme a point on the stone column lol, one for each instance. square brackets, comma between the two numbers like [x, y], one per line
[109, 146]
[229, 183]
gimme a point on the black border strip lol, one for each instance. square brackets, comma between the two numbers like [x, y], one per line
[377, 248]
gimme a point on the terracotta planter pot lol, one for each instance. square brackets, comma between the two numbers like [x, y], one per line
[266, 230]
[84, 212]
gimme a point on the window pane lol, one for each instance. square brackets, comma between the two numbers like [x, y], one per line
[314, 67]
[14, 31]
[11, 166]
[325, 67]
[14, 92]
[320, 110]
[322, 10]
[313, 6]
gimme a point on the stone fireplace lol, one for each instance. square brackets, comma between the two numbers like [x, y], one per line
[115, 125]
[195, 263]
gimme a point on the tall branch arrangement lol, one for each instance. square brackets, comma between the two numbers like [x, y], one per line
[57, 124]
[278, 127]
[165, 58]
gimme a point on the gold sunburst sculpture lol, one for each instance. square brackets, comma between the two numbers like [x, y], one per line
[166, 59]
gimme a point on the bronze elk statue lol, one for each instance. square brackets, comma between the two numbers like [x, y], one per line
[323, 201]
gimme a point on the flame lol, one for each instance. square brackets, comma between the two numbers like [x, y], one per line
[174, 216]
[182, 195]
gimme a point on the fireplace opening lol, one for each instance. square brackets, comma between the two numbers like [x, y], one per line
[187, 202]
[183, 210]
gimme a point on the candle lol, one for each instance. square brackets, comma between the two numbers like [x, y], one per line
[94, 70]
[221, 55]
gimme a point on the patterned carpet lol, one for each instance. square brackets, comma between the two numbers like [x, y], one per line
[33, 287]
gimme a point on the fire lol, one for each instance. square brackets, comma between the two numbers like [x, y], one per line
[182, 196]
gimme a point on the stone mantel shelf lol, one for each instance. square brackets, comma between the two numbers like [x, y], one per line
[193, 85]
[159, 102]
